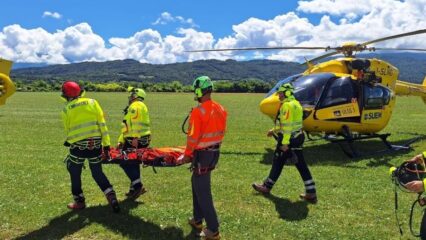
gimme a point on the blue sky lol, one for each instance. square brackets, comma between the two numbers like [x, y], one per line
[124, 18]
[52, 31]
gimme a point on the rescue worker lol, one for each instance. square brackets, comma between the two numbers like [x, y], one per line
[87, 138]
[207, 124]
[135, 133]
[419, 186]
[290, 140]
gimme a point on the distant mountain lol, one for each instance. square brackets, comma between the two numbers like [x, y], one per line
[131, 70]
[28, 65]
[412, 68]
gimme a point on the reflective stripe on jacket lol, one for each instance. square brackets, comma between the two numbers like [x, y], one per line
[207, 125]
[290, 118]
[136, 122]
[83, 118]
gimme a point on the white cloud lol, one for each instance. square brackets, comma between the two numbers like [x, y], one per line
[149, 46]
[384, 18]
[52, 14]
[74, 44]
[339, 7]
[79, 43]
[166, 18]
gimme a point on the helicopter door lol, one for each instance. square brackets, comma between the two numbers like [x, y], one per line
[376, 98]
[339, 101]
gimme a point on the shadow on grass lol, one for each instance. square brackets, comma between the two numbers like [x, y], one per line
[288, 210]
[240, 153]
[327, 153]
[122, 223]
[268, 155]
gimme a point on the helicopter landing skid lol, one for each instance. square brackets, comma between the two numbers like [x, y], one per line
[352, 152]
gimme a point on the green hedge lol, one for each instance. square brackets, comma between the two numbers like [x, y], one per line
[247, 85]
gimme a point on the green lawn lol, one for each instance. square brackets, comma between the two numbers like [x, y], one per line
[355, 196]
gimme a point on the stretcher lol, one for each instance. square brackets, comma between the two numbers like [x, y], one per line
[156, 157]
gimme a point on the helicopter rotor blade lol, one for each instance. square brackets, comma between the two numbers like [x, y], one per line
[257, 48]
[395, 36]
[321, 57]
[397, 49]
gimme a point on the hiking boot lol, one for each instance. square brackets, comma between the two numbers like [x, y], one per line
[135, 193]
[261, 188]
[76, 205]
[197, 225]
[209, 235]
[113, 202]
[309, 197]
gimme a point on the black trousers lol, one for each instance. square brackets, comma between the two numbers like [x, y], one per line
[202, 199]
[280, 159]
[75, 162]
[133, 171]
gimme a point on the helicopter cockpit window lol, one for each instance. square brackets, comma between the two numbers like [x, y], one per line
[281, 82]
[308, 88]
[376, 96]
[340, 91]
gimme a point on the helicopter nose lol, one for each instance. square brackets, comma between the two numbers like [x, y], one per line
[270, 105]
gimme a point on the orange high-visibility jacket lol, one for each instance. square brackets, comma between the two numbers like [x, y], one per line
[207, 125]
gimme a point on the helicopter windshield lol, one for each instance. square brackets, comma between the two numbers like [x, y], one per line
[308, 88]
[281, 82]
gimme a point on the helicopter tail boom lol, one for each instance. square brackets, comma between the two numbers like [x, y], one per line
[411, 89]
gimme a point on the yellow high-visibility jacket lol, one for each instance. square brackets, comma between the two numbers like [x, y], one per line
[83, 118]
[424, 180]
[136, 122]
[290, 118]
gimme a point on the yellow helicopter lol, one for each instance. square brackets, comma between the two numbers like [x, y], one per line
[349, 97]
[7, 88]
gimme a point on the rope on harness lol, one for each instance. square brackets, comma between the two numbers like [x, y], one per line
[183, 124]
[396, 211]
[421, 202]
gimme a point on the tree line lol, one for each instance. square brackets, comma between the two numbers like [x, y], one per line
[252, 85]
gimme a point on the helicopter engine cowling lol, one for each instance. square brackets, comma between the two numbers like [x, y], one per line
[360, 64]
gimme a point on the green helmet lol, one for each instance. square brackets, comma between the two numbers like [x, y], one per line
[287, 89]
[201, 84]
[138, 92]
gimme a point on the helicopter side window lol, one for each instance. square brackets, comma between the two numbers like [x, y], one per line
[340, 91]
[376, 96]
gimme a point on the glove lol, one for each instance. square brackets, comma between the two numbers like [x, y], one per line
[284, 147]
[67, 144]
[183, 159]
[105, 153]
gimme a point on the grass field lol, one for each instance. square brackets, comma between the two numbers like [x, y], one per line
[355, 196]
